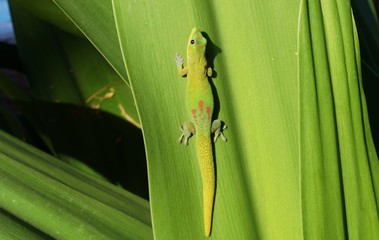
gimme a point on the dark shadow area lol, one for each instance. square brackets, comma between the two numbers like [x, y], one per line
[369, 46]
[106, 143]
[9, 57]
[212, 51]
[84, 138]
[94, 141]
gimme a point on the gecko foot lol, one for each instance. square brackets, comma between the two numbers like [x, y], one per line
[209, 72]
[217, 128]
[187, 129]
[179, 60]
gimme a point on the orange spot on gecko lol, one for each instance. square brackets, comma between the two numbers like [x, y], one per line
[209, 112]
[197, 30]
[201, 106]
[194, 114]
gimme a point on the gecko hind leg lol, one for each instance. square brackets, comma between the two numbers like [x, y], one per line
[187, 129]
[217, 128]
[209, 72]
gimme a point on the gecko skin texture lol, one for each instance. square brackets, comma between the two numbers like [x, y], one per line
[199, 101]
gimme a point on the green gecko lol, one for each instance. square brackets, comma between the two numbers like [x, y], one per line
[199, 100]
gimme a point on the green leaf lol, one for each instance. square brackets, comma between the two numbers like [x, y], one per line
[78, 73]
[44, 194]
[257, 169]
[12, 227]
[270, 175]
[339, 167]
[48, 11]
[84, 18]
[95, 20]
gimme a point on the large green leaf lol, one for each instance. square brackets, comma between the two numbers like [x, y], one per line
[338, 165]
[265, 186]
[42, 196]
[257, 169]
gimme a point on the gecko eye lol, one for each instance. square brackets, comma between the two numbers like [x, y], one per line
[192, 41]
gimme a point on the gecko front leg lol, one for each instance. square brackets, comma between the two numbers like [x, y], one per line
[188, 129]
[179, 64]
[217, 128]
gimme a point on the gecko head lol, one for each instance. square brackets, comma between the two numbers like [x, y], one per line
[196, 43]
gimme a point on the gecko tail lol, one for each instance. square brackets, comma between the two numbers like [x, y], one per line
[208, 198]
[205, 156]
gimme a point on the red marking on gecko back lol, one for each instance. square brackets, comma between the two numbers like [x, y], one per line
[201, 106]
[209, 112]
[194, 114]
